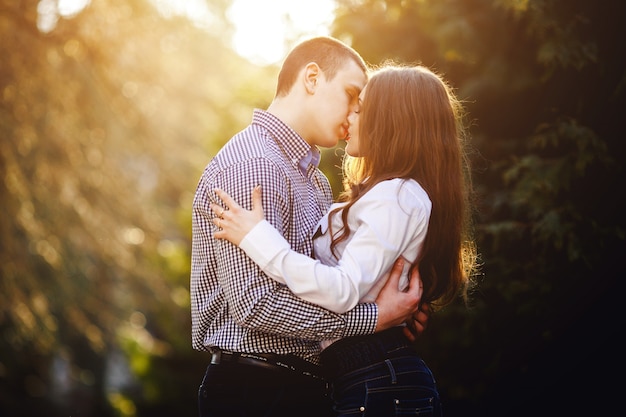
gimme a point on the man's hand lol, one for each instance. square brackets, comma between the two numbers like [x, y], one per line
[396, 307]
[417, 323]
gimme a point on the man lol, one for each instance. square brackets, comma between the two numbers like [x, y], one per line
[264, 341]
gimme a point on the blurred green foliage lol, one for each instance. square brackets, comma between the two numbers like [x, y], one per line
[108, 118]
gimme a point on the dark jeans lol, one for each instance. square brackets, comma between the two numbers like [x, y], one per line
[401, 386]
[380, 375]
[234, 389]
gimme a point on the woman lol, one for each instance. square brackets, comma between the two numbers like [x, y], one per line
[407, 189]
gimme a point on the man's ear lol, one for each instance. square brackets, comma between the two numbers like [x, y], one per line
[312, 75]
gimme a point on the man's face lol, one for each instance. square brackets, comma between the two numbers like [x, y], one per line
[334, 101]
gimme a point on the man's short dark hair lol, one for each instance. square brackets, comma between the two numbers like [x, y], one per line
[328, 53]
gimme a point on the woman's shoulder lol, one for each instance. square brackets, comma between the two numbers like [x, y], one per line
[406, 194]
[393, 201]
[400, 187]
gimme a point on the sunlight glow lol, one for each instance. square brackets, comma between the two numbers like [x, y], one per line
[266, 28]
[48, 12]
[68, 8]
[196, 10]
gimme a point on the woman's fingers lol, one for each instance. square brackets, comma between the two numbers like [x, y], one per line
[233, 221]
[257, 201]
[228, 201]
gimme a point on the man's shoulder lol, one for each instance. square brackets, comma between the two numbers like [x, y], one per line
[252, 142]
[250, 155]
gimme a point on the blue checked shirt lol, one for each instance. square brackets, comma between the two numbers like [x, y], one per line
[234, 305]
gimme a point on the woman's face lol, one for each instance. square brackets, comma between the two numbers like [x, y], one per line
[352, 140]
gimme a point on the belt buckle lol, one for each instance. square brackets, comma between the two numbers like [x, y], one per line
[216, 357]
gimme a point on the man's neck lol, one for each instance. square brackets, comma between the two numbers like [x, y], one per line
[290, 112]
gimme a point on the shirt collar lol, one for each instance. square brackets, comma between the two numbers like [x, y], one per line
[312, 157]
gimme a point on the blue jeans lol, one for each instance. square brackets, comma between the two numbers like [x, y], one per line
[238, 390]
[401, 386]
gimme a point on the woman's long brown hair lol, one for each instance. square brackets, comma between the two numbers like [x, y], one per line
[411, 127]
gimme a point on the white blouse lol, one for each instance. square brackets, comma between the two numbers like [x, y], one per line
[389, 221]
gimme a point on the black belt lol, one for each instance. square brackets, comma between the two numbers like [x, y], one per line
[275, 363]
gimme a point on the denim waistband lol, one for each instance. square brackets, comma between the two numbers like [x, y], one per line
[351, 353]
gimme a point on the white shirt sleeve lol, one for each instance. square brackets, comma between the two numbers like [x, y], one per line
[385, 223]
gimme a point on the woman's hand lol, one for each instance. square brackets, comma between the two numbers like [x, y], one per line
[234, 222]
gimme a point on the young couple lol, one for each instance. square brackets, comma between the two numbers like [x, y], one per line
[296, 282]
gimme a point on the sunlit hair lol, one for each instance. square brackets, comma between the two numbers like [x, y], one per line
[410, 127]
[329, 54]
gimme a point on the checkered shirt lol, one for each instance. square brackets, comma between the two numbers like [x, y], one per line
[234, 305]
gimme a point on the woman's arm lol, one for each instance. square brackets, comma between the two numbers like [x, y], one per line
[380, 237]
[249, 230]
